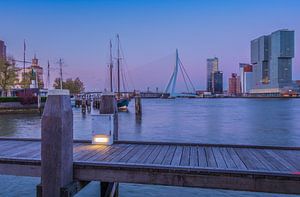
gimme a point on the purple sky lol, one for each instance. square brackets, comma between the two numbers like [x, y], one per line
[150, 31]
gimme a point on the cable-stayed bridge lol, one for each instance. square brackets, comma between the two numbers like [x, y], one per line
[170, 90]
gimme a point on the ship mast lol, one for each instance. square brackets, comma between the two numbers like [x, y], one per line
[111, 67]
[118, 67]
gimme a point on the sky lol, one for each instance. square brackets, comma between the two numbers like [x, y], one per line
[79, 31]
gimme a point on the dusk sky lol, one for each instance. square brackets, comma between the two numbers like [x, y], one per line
[150, 31]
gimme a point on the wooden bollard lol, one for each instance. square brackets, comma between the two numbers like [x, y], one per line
[56, 144]
[138, 106]
[88, 104]
[83, 105]
[108, 105]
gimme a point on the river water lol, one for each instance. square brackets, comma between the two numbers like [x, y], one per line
[226, 121]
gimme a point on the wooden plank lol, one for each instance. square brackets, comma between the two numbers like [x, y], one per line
[91, 152]
[273, 162]
[146, 154]
[227, 158]
[191, 177]
[185, 158]
[153, 154]
[219, 158]
[101, 155]
[141, 152]
[132, 153]
[4, 143]
[169, 156]
[28, 153]
[202, 158]
[159, 159]
[292, 156]
[281, 160]
[11, 145]
[194, 156]
[250, 160]
[265, 160]
[15, 148]
[236, 159]
[177, 156]
[117, 150]
[211, 161]
[123, 153]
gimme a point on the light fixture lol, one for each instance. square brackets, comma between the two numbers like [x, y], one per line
[100, 139]
[102, 129]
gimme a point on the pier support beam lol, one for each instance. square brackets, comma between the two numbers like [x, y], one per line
[57, 144]
[109, 189]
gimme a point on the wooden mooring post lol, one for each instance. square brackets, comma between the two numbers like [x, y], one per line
[138, 108]
[108, 105]
[83, 105]
[56, 144]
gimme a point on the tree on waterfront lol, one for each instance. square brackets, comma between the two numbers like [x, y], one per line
[75, 86]
[8, 75]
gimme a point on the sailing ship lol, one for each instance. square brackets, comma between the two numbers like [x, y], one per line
[122, 101]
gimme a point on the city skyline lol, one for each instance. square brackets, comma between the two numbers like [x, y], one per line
[81, 38]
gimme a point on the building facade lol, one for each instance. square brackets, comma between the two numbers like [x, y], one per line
[217, 87]
[234, 85]
[271, 57]
[2, 50]
[36, 70]
[212, 67]
[246, 74]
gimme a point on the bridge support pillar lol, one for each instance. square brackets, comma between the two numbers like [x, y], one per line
[56, 145]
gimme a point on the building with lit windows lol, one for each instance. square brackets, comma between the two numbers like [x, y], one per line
[271, 57]
[212, 67]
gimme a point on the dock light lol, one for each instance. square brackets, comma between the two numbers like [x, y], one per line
[100, 139]
[102, 129]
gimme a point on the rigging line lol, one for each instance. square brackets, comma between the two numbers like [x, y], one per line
[188, 76]
[126, 70]
[183, 76]
[122, 77]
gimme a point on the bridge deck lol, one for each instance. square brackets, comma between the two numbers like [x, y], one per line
[266, 169]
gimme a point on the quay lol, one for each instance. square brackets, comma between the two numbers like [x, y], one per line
[66, 165]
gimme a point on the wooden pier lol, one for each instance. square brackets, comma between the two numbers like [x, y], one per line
[249, 168]
[65, 166]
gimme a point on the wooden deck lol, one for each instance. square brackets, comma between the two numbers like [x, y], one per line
[249, 168]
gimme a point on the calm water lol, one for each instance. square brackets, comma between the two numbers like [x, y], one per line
[229, 121]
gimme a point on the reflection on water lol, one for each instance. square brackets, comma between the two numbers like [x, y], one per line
[230, 121]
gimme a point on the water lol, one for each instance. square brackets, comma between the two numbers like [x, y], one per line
[226, 121]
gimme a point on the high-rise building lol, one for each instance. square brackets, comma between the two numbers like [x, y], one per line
[217, 78]
[234, 83]
[212, 67]
[2, 50]
[246, 73]
[271, 57]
